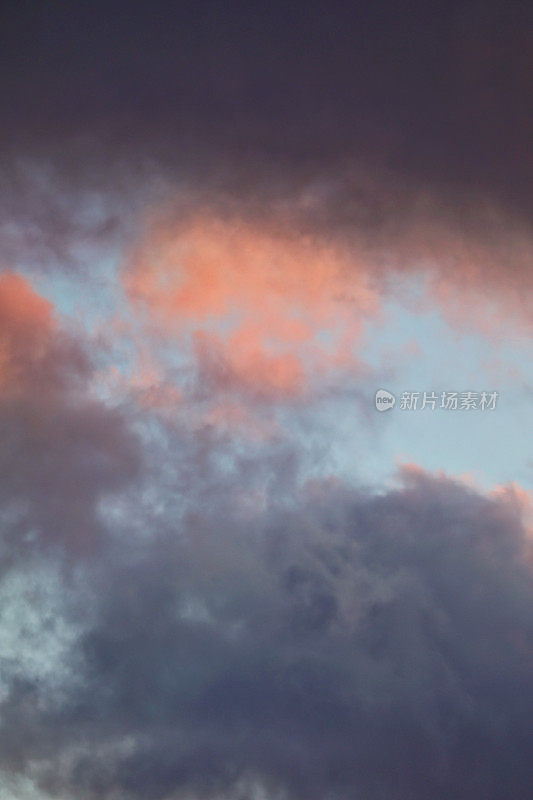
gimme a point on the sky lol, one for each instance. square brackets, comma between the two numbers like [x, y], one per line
[226, 230]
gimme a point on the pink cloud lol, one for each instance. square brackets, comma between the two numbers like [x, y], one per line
[269, 310]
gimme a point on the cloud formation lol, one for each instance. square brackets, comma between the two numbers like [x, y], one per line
[336, 643]
[402, 132]
[267, 309]
[61, 449]
[227, 201]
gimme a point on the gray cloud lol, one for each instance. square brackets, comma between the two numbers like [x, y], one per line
[334, 643]
[438, 90]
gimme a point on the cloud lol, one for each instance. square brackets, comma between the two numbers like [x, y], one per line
[272, 304]
[35, 355]
[61, 448]
[265, 296]
[191, 605]
[338, 642]
[359, 227]
[436, 91]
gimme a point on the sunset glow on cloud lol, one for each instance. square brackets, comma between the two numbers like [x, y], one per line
[266, 496]
[266, 309]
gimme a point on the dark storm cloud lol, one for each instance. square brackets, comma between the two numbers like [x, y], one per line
[57, 209]
[439, 91]
[337, 643]
[401, 128]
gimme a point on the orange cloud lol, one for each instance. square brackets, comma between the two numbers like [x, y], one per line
[268, 308]
[242, 362]
[207, 265]
[34, 355]
[26, 325]
[21, 307]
